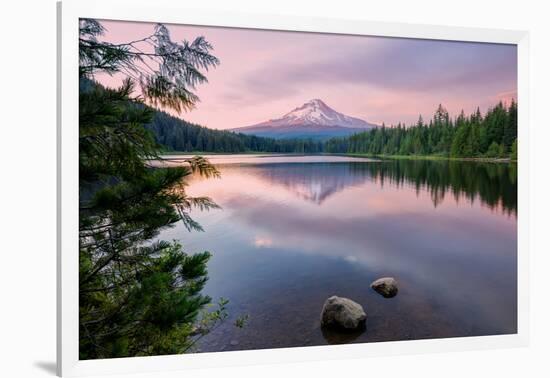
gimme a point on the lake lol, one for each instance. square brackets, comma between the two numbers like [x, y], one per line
[293, 231]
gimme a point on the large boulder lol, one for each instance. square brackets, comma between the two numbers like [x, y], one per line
[385, 286]
[342, 313]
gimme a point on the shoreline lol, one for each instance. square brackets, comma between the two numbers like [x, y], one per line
[436, 157]
[390, 157]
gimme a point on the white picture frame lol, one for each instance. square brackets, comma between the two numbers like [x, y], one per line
[69, 12]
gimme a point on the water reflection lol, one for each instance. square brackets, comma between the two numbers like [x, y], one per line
[290, 235]
[313, 182]
[494, 184]
[337, 336]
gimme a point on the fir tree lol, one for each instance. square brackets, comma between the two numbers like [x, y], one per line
[137, 296]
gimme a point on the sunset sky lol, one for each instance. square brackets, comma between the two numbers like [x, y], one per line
[265, 74]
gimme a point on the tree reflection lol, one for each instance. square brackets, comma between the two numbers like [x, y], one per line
[494, 184]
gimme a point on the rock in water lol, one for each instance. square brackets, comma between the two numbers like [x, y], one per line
[386, 286]
[342, 312]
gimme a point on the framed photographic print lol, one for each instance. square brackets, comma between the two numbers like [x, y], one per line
[261, 188]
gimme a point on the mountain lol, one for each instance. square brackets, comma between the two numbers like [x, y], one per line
[314, 120]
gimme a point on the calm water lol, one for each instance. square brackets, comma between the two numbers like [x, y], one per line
[293, 231]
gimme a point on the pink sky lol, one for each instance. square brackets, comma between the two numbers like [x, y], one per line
[265, 74]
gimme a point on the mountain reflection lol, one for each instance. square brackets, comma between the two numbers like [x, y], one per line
[313, 182]
[494, 184]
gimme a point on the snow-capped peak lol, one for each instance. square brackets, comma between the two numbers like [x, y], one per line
[316, 112]
[314, 119]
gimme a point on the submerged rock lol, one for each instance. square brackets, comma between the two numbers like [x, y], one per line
[343, 313]
[386, 286]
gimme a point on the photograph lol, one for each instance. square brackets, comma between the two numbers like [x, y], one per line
[249, 189]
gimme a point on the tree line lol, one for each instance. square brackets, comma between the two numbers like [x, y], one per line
[176, 134]
[492, 135]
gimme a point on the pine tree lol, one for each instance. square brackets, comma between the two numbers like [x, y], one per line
[137, 296]
[494, 150]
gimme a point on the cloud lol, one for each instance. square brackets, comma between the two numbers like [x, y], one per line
[404, 65]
